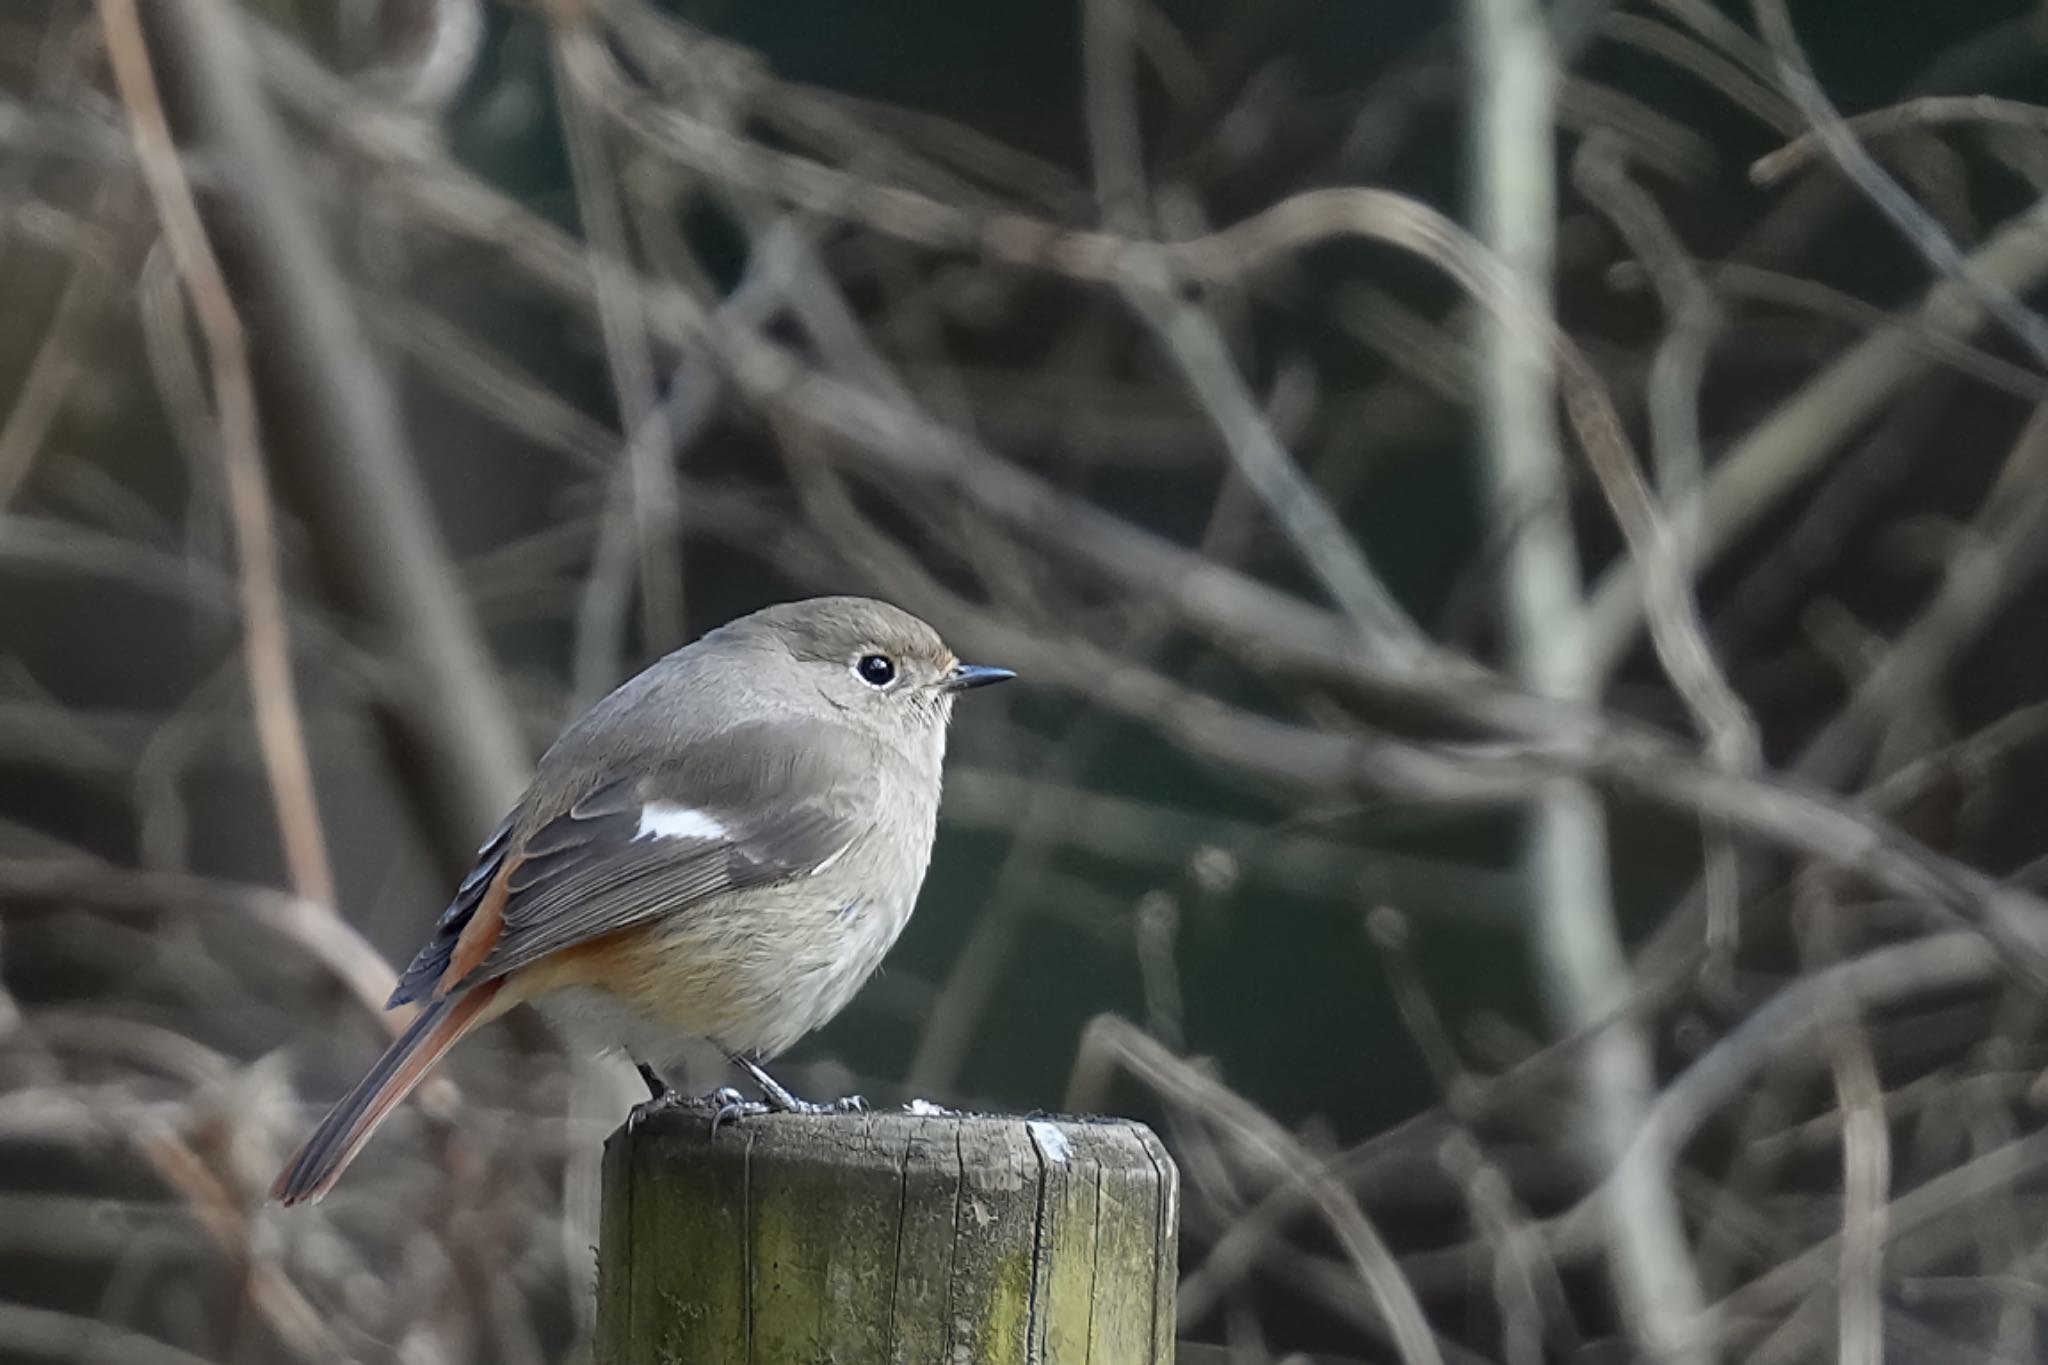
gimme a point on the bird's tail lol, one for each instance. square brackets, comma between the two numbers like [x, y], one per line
[324, 1155]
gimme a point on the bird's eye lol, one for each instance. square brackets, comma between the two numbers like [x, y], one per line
[876, 670]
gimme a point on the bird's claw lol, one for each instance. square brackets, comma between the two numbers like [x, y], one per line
[732, 1106]
[649, 1107]
[845, 1104]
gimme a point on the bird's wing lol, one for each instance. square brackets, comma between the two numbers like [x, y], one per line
[753, 807]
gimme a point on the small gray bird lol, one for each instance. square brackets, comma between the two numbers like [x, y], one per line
[723, 848]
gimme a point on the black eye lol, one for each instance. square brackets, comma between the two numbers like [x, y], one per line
[876, 670]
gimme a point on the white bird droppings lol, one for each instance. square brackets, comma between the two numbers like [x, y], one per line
[1051, 1141]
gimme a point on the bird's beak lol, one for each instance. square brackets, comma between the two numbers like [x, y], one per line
[965, 676]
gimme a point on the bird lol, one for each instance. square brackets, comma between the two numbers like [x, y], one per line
[722, 849]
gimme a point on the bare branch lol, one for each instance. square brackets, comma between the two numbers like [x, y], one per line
[1584, 966]
[267, 651]
[360, 497]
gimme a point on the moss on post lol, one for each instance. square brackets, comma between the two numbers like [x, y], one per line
[886, 1239]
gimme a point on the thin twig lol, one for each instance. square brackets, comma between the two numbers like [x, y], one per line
[57, 365]
[1677, 372]
[1866, 1157]
[1918, 226]
[1313, 528]
[1755, 473]
[359, 493]
[1996, 557]
[1112, 1042]
[267, 651]
[1926, 111]
[644, 503]
[1197, 349]
[43, 1333]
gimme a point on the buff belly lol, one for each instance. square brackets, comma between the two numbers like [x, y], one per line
[752, 977]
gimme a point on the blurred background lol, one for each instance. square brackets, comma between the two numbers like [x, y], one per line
[1520, 525]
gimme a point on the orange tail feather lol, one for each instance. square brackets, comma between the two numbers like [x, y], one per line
[324, 1155]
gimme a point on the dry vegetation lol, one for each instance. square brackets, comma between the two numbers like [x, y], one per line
[1745, 574]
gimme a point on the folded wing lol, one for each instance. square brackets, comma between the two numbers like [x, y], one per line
[753, 807]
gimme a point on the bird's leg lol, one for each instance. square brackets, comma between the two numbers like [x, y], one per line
[657, 1088]
[660, 1095]
[780, 1098]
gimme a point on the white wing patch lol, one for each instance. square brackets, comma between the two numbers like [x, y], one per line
[666, 820]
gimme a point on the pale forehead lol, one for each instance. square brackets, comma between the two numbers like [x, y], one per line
[834, 628]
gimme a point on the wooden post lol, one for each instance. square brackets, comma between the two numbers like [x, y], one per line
[886, 1239]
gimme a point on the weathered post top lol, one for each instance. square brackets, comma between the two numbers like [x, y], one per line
[886, 1239]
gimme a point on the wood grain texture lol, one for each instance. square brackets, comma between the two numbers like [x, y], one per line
[886, 1238]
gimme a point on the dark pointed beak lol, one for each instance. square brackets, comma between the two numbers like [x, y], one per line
[965, 676]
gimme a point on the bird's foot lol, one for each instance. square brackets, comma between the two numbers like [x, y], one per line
[658, 1101]
[845, 1104]
[732, 1106]
[725, 1103]
[782, 1102]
